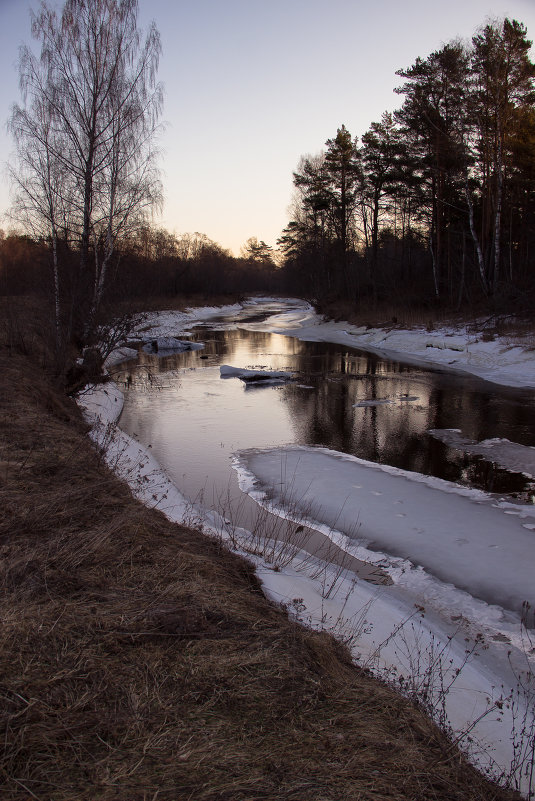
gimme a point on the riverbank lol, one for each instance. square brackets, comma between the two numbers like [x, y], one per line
[139, 658]
[502, 352]
[457, 617]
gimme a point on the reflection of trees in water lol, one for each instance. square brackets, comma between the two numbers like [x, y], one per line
[396, 433]
[393, 433]
[479, 414]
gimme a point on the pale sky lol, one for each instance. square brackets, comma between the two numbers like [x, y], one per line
[252, 85]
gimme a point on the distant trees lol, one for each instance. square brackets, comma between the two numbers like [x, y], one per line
[437, 202]
[155, 264]
[86, 173]
[23, 262]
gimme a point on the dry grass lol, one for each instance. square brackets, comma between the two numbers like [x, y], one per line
[175, 302]
[138, 660]
[389, 315]
[514, 328]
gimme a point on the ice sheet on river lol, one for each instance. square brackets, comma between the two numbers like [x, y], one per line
[464, 537]
[503, 452]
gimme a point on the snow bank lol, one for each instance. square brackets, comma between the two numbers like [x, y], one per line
[462, 562]
[455, 349]
[461, 536]
[120, 355]
[171, 323]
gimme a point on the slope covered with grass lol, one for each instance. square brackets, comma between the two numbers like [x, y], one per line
[139, 660]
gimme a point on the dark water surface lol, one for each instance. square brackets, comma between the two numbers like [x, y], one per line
[193, 420]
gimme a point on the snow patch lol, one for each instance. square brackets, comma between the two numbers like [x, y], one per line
[121, 354]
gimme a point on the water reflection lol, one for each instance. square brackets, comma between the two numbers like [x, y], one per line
[194, 421]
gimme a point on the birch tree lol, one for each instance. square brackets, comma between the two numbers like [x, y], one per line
[85, 137]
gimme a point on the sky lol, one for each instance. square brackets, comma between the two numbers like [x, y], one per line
[252, 85]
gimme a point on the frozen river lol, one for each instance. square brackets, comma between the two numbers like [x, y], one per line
[343, 399]
[200, 426]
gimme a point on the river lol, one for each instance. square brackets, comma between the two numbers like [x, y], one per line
[193, 420]
[356, 429]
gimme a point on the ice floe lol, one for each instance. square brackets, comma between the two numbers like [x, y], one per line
[373, 402]
[462, 536]
[166, 345]
[255, 376]
[510, 455]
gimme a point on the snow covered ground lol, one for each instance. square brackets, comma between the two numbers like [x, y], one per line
[461, 561]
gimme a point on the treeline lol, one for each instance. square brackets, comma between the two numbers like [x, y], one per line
[150, 266]
[150, 262]
[436, 202]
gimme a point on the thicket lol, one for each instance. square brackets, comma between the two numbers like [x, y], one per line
[149, 267]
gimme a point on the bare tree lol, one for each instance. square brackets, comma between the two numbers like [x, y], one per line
[86, 139]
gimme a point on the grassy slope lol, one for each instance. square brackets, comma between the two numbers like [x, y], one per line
[140, 661]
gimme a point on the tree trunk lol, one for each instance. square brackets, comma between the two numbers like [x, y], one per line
[498, 217]
[480, 259]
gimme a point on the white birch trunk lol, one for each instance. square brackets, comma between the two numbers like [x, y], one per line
[480, 259]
